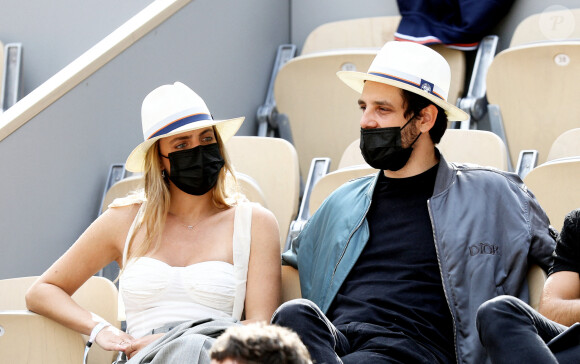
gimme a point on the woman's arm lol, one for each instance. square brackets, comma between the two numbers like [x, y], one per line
[99, 245]
[263, 286]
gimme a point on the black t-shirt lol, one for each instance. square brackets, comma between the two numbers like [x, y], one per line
[567, 253]
[396, 282]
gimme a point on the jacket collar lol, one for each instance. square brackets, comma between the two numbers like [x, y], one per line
[445, 176]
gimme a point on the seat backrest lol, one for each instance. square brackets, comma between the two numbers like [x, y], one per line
[98, 295]
[290, 284]
[536, 279]
[547, 26]
[13, 291]
[273, 164]
[353, 33]
[331, 181]
[251, 189]
[566, 145]
[461, 146]
[122, 188]
[373, 33]
[555, 185]
[31, 338]
[323, 112]
[474, 146]
[535, 88]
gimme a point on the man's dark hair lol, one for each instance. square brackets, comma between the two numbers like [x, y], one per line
[414, 104]
[260, 344]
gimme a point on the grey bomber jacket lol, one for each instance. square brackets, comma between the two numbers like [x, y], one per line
[487, 226]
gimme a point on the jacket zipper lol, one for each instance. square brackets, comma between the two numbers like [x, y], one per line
[348, 242]
[442, 281]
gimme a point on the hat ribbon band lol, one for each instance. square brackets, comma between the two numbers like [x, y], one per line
[424, 85]
[179, 123]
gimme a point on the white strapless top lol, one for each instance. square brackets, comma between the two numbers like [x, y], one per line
[155, 293]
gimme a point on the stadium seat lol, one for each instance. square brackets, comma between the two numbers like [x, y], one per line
[290, 284]
[323, 112]
[31, 338]
[536, 92]
[555, 185]
[547, 26]
[373, 33]
[536, 279]
[566, 145]
[457, 145]
[354, 33]
[474, 146]
[331, 181]
[273, 164]
[248, 186]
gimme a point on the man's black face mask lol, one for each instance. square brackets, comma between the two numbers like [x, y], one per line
[382, 149]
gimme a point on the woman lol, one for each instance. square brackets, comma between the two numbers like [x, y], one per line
[183, 246]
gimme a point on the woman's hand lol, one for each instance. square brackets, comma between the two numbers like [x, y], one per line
[136, 345]
[112, 339]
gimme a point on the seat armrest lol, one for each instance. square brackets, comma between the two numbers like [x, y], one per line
[318, 168]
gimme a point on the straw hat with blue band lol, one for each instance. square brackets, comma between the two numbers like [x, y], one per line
[412, 67]
[175, 109]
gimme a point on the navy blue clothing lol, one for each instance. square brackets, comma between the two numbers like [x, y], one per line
[396, 282]
[458, 23]
[353, 343]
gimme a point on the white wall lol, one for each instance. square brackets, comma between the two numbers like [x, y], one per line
[55, 166]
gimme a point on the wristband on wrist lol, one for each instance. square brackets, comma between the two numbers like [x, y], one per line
[98, 327]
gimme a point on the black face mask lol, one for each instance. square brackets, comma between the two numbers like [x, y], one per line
[196, 170]
[381, 148]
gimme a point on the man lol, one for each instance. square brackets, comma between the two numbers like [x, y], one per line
[512, 331]
[259, 344]
[395, 265]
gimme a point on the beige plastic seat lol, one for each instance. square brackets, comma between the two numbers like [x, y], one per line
[537, 93]
[248, 186]
[290, 284]
[556, 187]
[273, 164]
[31, 338]
[373, 33]
[474, 146]
[547, 26]
[323, 112]
[462, 146]
[122, 188]
[331, 181]
[566, 145]
[354, 33]
[536, 279]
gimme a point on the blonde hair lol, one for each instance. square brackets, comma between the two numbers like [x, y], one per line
[157, 199]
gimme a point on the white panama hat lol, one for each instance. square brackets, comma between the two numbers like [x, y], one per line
[412, 67]
[174, 109]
